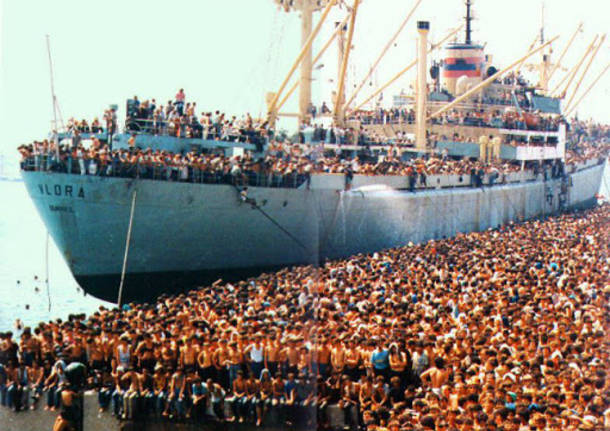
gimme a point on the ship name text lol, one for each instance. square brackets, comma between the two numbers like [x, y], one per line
[59, 190]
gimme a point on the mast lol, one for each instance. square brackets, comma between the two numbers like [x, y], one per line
[341, 54]
[545, 64]
[54, 100]
[306, 65]
[542, 25]
[306, 9]
[423, 27]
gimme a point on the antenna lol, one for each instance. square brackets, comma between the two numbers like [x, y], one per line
[469, 19]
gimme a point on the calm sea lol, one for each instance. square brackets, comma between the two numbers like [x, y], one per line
[22, 258]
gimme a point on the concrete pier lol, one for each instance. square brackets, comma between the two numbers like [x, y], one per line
[43, 420]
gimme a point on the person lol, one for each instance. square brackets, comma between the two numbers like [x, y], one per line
[290, 400]
[352, 360]
[256, 353]
[53, 385]
[178, 393]
[350, 392]
[199, 399]
[252, 393]
[239, 401]
[278, 394]
[272, 352]
[508, 322]
[220, 359]
[265, 396]
[160, 388]
[120, 387]
[324, 109]
[71, 411]
[36, 380]
[179, 101]
[131, 143]
[322, 400]
[436, 376]
[131, 396]
[217, 398]
[399, 364]
[380, 360]
[234, 361]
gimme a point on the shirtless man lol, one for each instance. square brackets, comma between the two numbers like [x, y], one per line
[95, 355]
[235, 360]
[220, 360]
[29, 346]
[178, 392]
[398, 364]
[160, 388]
[323, 354]
[145, 352]
[132, 394]
[337, 357]
[292, 357]
[352, 360]
[188, 355]
[437, 375]
[36, 378]
[204, 361]
[365, 397]
[240, 396]
[168, 354]
[272, 352]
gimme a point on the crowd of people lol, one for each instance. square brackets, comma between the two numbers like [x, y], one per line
[177, 118]
[499, 330]
[284, 165]
[474, 118]
[180, 118]
[587, 140]
[588, 131]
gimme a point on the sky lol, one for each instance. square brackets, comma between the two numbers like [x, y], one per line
[227, 54]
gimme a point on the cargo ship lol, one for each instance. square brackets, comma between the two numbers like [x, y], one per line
[164, 229]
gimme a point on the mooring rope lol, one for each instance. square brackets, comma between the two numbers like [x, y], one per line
[46, 259]
[127, 241]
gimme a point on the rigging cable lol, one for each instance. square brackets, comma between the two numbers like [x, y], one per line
[271, 219]
[270, 70]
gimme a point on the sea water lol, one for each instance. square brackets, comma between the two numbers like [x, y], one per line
[23, 257]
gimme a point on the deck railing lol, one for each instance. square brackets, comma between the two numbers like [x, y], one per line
[161, 172]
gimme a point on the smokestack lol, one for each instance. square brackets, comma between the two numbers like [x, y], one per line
[468, 21]
[422, 92]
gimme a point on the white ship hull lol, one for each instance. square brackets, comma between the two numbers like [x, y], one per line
[205, 230]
